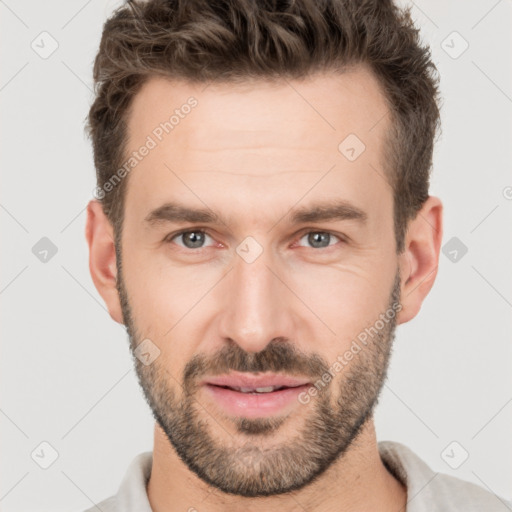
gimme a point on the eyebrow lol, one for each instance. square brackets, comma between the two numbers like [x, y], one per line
[334, 210]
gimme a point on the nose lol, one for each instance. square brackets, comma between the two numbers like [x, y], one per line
[257, 305]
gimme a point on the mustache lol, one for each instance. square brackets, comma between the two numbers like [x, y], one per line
[278, 356]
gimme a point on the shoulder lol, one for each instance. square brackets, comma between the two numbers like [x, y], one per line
[131, 495]
[457, 494]
[428, 490]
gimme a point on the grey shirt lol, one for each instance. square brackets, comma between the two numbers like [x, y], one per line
[427, 491]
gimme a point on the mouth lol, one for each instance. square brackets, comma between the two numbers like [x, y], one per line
[264, 383]
[256, 391]
[253, 396]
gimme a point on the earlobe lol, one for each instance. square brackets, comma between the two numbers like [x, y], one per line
[102, 258]
[420, 260]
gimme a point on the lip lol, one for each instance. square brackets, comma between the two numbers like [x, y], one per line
[257, 405]
[253, 405]
[247, 380]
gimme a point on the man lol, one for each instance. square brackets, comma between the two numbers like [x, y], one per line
[263, 224]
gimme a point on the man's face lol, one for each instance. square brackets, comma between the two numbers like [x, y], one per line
[260, 289]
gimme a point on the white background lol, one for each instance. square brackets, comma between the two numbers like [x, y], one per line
[66, 371]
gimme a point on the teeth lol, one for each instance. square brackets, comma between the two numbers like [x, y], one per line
[267, 389]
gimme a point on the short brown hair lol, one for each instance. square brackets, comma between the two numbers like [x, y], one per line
[240, 40]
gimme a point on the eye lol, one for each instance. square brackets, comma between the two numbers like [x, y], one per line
[196, 238]
[320, 239]
[193, 239]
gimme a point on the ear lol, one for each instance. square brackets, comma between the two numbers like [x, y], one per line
[102, 258]
[420, 259]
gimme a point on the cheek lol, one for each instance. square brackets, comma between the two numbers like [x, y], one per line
[164, 298]
[346, 299]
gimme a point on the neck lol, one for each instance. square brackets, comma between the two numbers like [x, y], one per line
[356, 482]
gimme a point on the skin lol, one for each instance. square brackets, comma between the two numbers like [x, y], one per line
[253, 154]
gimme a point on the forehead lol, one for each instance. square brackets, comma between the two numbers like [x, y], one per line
[258, 139]
[255, 112]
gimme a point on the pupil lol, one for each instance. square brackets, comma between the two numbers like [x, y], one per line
[194, 239]
[315, 239]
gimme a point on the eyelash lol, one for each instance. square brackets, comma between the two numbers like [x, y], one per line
[172, 236]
